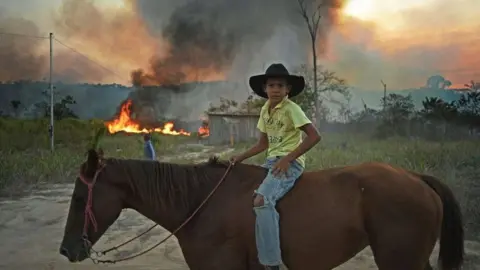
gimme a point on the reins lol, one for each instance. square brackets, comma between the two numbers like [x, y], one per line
[90, 218]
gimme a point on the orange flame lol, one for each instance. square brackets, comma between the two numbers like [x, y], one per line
[204, 130]
[124, 123]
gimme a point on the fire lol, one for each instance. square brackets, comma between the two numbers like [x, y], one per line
[124, 123]
[204, 130]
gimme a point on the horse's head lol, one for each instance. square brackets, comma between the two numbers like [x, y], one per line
[95, 204]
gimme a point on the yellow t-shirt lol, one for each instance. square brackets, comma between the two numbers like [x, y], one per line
[282, 128]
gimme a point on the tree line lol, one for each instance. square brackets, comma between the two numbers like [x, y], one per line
[31, 99]
[330, 106]
[436, 119]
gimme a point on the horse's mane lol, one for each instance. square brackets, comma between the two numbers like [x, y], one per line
[165, 184]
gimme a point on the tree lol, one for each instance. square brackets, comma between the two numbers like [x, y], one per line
[437, 109]
[225, 106]
[365, 120]
[251, 106]
[345, 112]
[313, 22]
[60, 109]
[398, 107]
[16, 106]
[470, 102]
[469, 110]
[438, 112]
[329, 88]
[396, 115]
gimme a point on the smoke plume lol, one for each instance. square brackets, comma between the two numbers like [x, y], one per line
[20, 59]
[206, 37]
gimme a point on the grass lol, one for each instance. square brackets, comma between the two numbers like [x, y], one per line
[26, 161]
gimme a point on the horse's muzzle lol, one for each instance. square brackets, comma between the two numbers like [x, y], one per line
[64, 252]
[77, 256]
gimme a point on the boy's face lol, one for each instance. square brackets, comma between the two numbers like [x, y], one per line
[277, 89]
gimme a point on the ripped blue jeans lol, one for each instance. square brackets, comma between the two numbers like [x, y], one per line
[267, 231]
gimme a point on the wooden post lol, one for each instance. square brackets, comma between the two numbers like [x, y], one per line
[232, 138]
[231, 124]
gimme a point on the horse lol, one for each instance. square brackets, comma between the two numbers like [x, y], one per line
[326, 219]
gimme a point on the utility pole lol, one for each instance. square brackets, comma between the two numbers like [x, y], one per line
[51, 130]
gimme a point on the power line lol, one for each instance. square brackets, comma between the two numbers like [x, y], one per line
[22, 35]
[89, 59]
[66, 46]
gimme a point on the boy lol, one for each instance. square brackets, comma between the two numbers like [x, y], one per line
[281, 124]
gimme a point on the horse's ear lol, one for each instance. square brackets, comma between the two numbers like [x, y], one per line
[92, 164]
[101, 156]
[98, 135]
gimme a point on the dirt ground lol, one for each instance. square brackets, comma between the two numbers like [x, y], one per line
[31, 229]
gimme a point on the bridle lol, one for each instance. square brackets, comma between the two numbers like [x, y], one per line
[90, 220]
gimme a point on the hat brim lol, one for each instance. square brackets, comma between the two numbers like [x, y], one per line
[257, 83]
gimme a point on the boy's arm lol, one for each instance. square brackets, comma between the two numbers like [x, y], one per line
[260, 146]
[301, 121]
[313, 137]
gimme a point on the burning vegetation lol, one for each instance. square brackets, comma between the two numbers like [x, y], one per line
[124, 122]
[204, 130]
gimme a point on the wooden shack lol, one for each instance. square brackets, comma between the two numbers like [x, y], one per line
[227, 128]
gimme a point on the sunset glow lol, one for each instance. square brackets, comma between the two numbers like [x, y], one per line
[406, 41]
[362, 9]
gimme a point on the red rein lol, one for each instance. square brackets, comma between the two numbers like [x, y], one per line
[89, 216]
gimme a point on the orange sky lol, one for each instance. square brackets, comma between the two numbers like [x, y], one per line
[399, 41]
[405, 41]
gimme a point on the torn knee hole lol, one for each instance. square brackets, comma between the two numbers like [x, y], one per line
[258, 201]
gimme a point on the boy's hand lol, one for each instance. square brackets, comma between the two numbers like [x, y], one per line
[281, 167]
[235, 159]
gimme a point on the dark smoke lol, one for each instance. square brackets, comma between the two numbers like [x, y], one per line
[26, 56]
[20, 58]
[205, 37]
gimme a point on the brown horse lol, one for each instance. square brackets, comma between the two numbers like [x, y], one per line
[328, 217]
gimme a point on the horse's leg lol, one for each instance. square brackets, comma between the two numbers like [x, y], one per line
[401, 237]
[398, 250]
[401, 233]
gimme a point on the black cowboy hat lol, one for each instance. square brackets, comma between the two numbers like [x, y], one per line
[257, 82]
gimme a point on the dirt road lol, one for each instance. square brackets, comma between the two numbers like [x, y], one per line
[31, 229]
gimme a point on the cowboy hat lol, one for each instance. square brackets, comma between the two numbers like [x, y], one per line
[257, 82]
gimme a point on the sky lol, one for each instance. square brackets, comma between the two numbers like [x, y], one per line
[399, 39]
[401, 42]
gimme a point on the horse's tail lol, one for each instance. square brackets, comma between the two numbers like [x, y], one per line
[452, 236]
